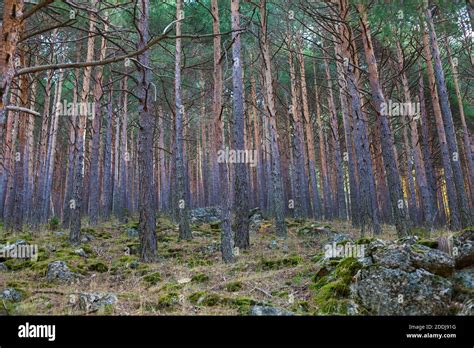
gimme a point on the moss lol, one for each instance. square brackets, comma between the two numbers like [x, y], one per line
[168, 300]
[152, 278]
[364, 241]
[431, 243]
[200, 278]
[233, 286]
[195, 262]
[266, 264]
[18, 264]
[98, 267]
[331, 290]
[209, 300]
[107, 309]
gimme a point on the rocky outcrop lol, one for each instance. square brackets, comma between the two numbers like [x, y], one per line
[60, 272]
[393, 278]
[268, 311]
[205, 215]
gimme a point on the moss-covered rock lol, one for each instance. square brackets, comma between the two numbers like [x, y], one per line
[200, 278]
[98, 266]
[234, 286]
[152, 278]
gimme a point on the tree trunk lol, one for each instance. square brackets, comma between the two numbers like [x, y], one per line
[278, 199]
[181, 172]
[76, 204]
[147, 222]
[393, 176]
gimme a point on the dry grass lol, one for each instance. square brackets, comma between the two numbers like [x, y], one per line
[277, 276]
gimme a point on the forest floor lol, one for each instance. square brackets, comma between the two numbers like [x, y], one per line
[189, 279]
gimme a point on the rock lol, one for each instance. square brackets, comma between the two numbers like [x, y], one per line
[59, 271]
[394, 291]
[205, 215]
[184, 280]
[87, 238]
[132, 232]
[465, 278]
[409, 257]
[59, 234]
[210, 249]
[467, 308]
[3, 267]
[134, 264]
[94, 301]
[256, 220]
[80, 252]
[11, 294]
[273, 245]
[463, 249]
[268, 310]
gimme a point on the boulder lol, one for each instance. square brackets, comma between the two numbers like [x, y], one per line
[94, 301]
[80, 252]
[11, 294]
[268, 311]
[465, 278]
[132, 232]
[256, 220]
[467, 308]
[205, 215]
[59, 271]
[396, 291]
[408, 257]
[463, 248]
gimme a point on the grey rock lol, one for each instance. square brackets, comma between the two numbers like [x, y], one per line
[80, 252]
[59, 271]
[59, 234]
[467, 308]
[3, 267]
[409, 257]
[256, 220]
[269, 311]
[132, 232]
[464, 249]
[394, 291]
[465, 278]
[94, 301]
[87, 238]
[11, 294]
[205, 215]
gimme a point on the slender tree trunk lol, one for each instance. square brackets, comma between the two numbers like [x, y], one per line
[315, 200]
[94, 191]
[241, 196]
[465, 213]
[147, 222]
[426, 198]
[455, 221]
[334, 134]
[75, 227]
[278, 199]
[465, 132]
[393, 176]
[181, 172]
[227, 239]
